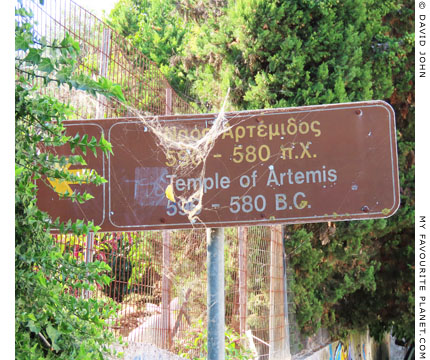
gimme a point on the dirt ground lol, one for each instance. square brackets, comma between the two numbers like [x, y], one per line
[139, 351]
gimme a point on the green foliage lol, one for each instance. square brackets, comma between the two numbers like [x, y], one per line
[278, 53]
[153, 28]
[51, 318]
[195, 346]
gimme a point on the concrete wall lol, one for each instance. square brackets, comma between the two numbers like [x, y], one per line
[359, 346]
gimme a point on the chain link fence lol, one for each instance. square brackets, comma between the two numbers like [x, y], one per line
[103, 52]
[160, 278]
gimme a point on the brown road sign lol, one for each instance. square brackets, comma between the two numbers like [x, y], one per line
[295, 165]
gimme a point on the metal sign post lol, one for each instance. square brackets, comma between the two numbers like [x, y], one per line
[216, 306]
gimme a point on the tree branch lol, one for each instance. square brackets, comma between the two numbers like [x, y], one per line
[45, 341]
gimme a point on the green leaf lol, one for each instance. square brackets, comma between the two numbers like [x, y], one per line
[64, 74]
[21, 42]
[46, 65]
[66, 41]
[33, 327]
[75, 45]
[106, 279]
[88, 196]
[53, 335]
[117, 91]
[105, 146]
[18, 170]
[33, 56]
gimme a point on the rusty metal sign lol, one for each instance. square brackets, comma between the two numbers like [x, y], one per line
[295, 165]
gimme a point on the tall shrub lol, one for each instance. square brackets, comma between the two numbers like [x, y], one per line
[50, 320]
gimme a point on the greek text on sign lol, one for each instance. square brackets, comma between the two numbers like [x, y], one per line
[296, 165]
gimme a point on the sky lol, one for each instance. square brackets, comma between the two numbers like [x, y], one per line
[97, 6]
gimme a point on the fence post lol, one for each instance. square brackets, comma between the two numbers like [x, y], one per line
[88, 258]
[277, 331]
[215, 302]
[169, 101]
[243, 275]
[104, 63]
[165, 292]
[287, 321]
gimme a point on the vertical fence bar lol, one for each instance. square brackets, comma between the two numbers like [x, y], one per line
[287, 323]
[104, 63]
[165, 293]
[88, 258]
[277, 335]
[243, 275]
[215, 302]
[168, 110]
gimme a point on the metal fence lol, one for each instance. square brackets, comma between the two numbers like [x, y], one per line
[160, 283]
[160, 276]
[103, 52]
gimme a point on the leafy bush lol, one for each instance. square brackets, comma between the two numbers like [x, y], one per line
[51, 318]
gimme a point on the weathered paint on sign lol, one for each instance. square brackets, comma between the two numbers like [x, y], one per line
[295, 165]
